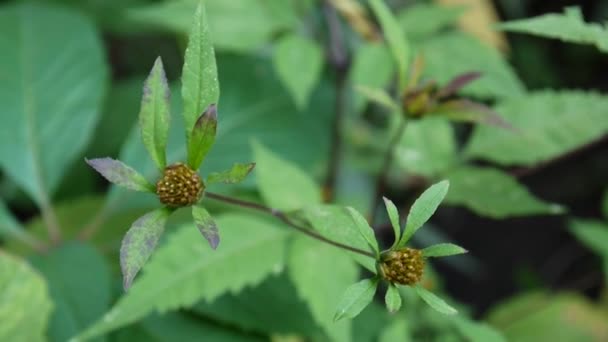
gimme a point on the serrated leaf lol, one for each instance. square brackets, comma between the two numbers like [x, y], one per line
[282, 184]
[494, 193]
[203, 137]
[53, 82]
[356, 298]
[298, 62]
[200, 87]
[392, 299]
[140, 242]
[378, 96]
[442, 250]
[236, 174]
[540, 119]
[185, 270]
[434, 302]
[25, 305]
[422, 209]
[372, 68]
[121, 174]
[393, 215]
[206, 225]
[423, 19]
[397, 330]
[155, 115]
[366, 231]
[568, 27]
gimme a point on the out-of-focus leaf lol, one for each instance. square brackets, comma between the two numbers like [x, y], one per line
[236, 174]
[373, 68]
[594, 235]
[392, 299]
[423, 19]
[25, 305]
[378, 96]
[10, 227]
[397, 330]
[367, 232]
[185, 270]
[434, 302]
[121, 174]
[298, 62]
[206, 225]
[79, 282]
[53, 81]
[442, 249]
[356, 298]
[457, 83]
[569, 27]
[605, 205]
[423, 208]
[393, 215]
[494, 193]
[468, 111]
[203, 137]
[477, 331]
[549, 124]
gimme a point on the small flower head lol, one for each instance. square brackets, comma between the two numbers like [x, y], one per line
[404, 266]
[179, 186]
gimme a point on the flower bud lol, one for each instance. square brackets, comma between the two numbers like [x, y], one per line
[404, 266]
[179, 186]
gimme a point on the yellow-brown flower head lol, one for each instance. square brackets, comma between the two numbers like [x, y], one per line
[179, 186]
[404, 266]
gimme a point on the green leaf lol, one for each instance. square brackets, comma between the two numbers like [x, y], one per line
[434, 302]
[356, 298]
[424, 19]
[206, 225]
[236, 174]
[72, 271]
[395, 37]
[494, 193]
[423, 209]
[25, 305]
[477, 331]
[366, 231]
[568, 27]
[540, 119]
[378, 96]
[393, 215]
[442, 250]
[282, 184]
[200, 87]
[155, 115]
[392, 298]
[139, 243]
[53, 82]
[298, 62]
[321, 286]
[184, 270]
[203, 137]
[372, 68]
[121, 174]
[593, 234]
[397, 330]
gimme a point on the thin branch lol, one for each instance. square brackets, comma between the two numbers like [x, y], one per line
[285, 219]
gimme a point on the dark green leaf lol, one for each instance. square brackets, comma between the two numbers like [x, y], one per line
[435, 302]
[236, 174]
[442, 250]
[392, 298]
[121, 174]
[356, 298]
[206, 225]
[393, 215]
[203, 137]
[593, 234]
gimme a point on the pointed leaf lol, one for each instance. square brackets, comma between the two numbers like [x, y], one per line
[435, 302]
[423, 209]
[139, 243]
[469, 111]
[594, 234]
[236, 174]
[442, 250]
[373, 68]
[378, 96]
[365, 230]
[200, 87]
[457, 83]
[393, 215]
[356, 298]
[206, 225]
[392, 298]
[203, 137]
[121, 174]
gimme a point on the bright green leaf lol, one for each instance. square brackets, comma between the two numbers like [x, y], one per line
[121, 174]
[435, 302]
[378, 96]
[393, 215]
[392, 298]
[365, 230]
[593, 234]
[206, 225]
[424, 19]
[372, 68]
[236, 174]
[356, 298]
[298, 62]
[397, 330]
[155, 115]
[442, 250]
[423, 209]
[203, 137]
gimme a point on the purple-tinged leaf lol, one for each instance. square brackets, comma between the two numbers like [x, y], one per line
[121, 174]
[202, 137]
[206, 225]
[236, 174]
[457, 83]
[139, 243]
[469, 111]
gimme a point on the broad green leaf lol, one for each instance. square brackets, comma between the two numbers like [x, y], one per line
[442, 250]
[434, 302]
[185, 270]
[395, 38]
[397, 330]
[73, 271]
[467, 54]
[393, 215]
[366, 231]
[322, 286]
[378, 96]
[53, 81]
[25, 305]
[356, 298]
[494, 193]
[155, 115]
[140, 242]
[424, 19]
[593, 234]
[477, 331]
[200, 87]
[236, 174]
[282, 184]
[422, 209]
[203, 137]
[121, 174]
[298, 62]
[373, 68]
[540, 118]
[569, 27]
[206, 225]
[392, 298]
